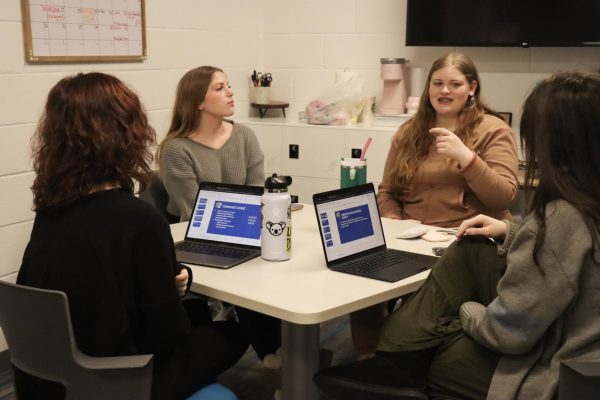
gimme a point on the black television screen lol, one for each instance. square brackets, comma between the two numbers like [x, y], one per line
[522, 23]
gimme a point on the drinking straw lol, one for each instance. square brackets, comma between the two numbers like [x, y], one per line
[365, 148]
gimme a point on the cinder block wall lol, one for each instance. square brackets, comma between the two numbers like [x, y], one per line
[301, 42]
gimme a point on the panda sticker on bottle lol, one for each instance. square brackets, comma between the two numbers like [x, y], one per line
[276, 226]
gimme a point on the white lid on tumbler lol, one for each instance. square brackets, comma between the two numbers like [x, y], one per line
[353, 162]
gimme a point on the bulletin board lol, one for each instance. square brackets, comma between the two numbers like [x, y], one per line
[84, 30]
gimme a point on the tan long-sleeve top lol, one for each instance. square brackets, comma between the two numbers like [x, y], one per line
[444, 194]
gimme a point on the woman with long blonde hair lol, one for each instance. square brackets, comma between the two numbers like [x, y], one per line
[496, 319]
[202, 144]
[455, 158]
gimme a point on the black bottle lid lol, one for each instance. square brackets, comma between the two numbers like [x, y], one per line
[278, 182]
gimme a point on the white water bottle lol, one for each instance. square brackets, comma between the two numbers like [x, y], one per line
[276, 226]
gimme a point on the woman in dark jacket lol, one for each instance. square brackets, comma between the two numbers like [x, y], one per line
[111, 253]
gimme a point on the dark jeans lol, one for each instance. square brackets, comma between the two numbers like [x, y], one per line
[262, 331]
[196, 361]
[469, 271]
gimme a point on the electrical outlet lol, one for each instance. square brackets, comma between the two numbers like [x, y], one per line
[294, 151]
[356, 153]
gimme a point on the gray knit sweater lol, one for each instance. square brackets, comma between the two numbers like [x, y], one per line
[544, 314]
[185, 163]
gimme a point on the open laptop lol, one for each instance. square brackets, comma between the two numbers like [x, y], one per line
[224, 228]
[353, 239]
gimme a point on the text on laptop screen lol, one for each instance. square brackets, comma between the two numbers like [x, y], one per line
[348, 225]
[226, 217]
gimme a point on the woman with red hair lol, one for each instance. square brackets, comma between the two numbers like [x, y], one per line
[110, 252]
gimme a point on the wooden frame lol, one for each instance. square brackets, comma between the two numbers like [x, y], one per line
[70, 32]
[507, 116]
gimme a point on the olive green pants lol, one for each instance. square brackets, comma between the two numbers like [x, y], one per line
[469, 271]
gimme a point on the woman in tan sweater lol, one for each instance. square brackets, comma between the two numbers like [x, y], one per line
[454, 159]
[495, 319]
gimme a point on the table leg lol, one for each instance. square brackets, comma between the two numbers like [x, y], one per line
[300, 360]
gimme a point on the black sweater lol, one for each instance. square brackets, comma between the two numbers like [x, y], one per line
[113, 255]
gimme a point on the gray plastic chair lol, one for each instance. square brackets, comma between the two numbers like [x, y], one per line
[37, 327]
[38, 330]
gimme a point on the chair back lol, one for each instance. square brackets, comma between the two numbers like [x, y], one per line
[37, 327]
[157, 195]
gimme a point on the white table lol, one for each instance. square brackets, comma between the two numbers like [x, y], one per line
[303, 292]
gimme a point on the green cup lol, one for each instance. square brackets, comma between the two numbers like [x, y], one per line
[353, 171]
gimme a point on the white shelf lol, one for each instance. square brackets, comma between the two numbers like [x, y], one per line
[290, 121]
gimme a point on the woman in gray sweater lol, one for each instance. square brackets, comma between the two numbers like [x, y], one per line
[201, 145]
[495, 318]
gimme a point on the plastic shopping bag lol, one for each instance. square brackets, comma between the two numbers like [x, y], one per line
[339, 104]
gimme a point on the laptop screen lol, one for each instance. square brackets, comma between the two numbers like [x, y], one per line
[349, 221]
[224, 214]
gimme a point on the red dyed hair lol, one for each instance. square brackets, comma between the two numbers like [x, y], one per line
[93, 133]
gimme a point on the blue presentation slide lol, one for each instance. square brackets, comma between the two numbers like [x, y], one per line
[235, 219]
[354, 223]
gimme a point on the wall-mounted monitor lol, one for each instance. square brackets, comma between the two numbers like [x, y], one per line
[509, 23]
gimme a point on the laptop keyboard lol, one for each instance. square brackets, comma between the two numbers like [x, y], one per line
[374, 262]
[213, 250]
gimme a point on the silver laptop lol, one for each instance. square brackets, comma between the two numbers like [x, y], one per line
[224, 228]
[353, 239]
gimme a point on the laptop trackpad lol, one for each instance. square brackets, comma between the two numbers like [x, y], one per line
[403, 270]
[207, 259]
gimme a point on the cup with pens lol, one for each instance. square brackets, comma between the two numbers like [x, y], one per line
[262, 86]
